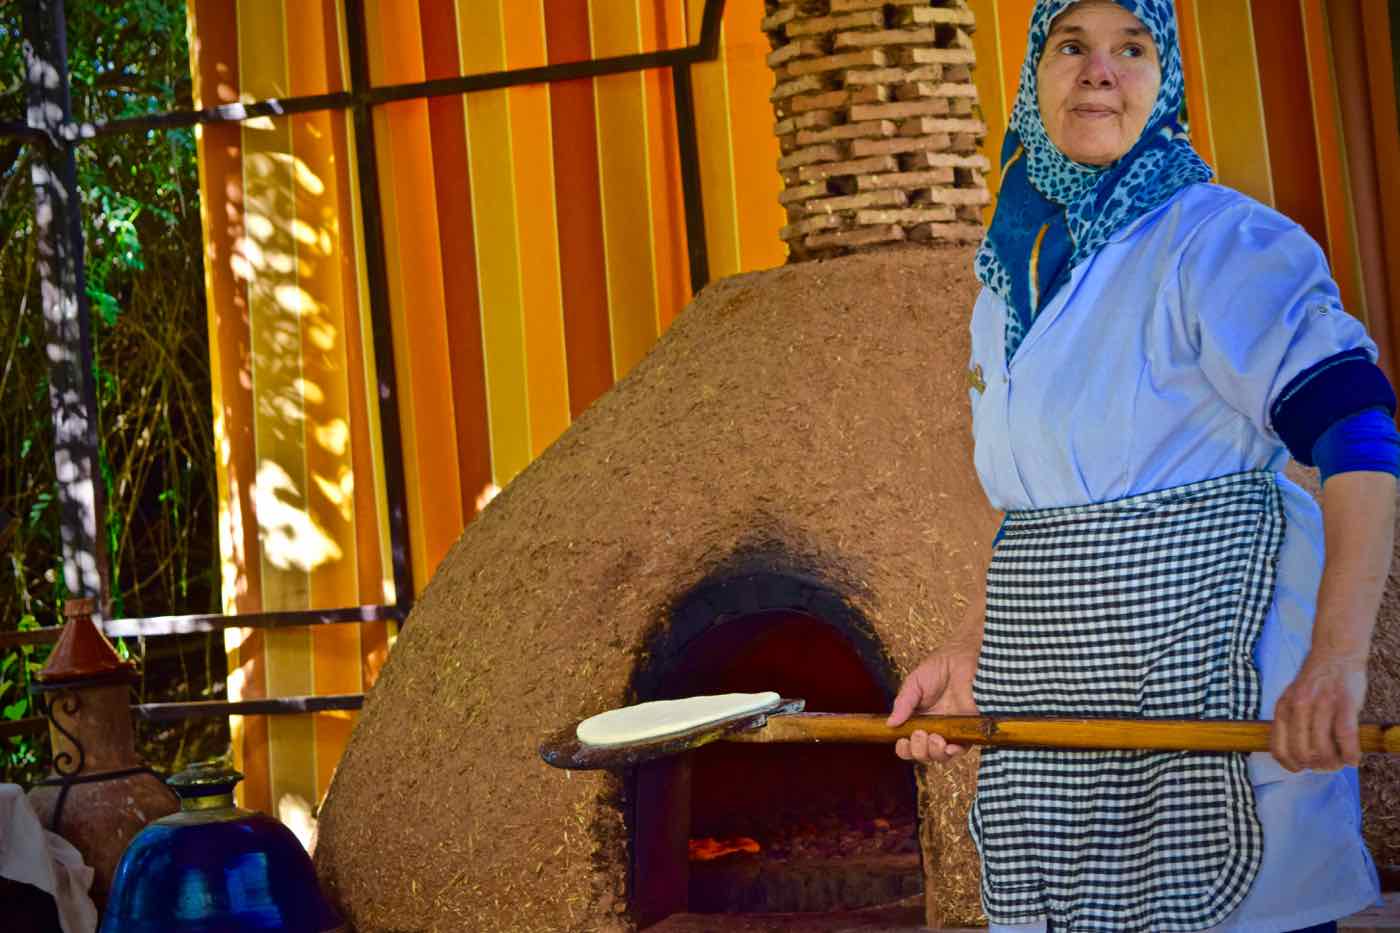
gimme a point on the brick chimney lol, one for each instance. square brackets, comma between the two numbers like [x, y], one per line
[878, 121]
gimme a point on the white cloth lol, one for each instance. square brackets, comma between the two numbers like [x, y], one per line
[1155, 367]
[31, 854]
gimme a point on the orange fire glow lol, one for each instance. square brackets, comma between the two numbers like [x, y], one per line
[707, 849]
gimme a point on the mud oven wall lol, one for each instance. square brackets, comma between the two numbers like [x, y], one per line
[810, 418]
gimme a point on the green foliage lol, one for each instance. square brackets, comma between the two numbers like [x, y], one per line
[21, 755]
[144, 276]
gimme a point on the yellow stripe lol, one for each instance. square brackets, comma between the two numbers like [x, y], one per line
[422, 364]
[318, 155]
[757, 183]
[274, 312]
[481, 35]
[625, 182]
[710, 83]
[541, 294]
[1035, 267]
[1344, 256]
[987, 41]
[1234, 99]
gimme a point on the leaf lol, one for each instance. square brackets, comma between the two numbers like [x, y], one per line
[16, 710]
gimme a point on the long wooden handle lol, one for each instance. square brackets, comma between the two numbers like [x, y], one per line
[1160, 734]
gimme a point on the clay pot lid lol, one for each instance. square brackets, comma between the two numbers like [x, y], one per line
[82, 651]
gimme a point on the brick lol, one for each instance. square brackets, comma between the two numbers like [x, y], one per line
[799, 48]
[970, 213]
[795, 194]
[874, 129]
[870, 94]
[920, 56]
[881, 163]
[906, 180]
[947, 89]
[866, 19]
[829, 152]
[948, 159]
[827, 101]
[974, 196]
[865, 58]
[962, 74]
[853, 202]
[811, 225]
[806, 84]
[774, 22]
[937, 16]
[812, 120]
[788, 144]
[876, 76]
[931, 124]
[877, 147]
[865, 236]
[959, 233]
[927, 72]
[847, 6]
[965, 142]
[908, 216]
[901, 110]
[847, 40]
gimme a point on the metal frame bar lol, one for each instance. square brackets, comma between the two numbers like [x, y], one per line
[161, 712]
[377, 279]
[57, 133]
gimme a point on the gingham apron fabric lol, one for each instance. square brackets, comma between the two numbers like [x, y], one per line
[1147, 606]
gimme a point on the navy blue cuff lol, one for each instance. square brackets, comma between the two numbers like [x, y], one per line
[1001, 532]
[1366, 441]
[1324, 394]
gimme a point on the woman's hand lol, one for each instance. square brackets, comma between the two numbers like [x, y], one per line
[1315, 721]
[942, 684]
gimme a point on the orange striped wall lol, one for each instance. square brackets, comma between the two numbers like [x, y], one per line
[536, 250]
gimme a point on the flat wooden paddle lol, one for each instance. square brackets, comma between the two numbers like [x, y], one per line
[786, 723]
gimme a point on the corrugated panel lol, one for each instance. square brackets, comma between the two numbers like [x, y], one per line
[292, 543]
[757, 184]
[532, 158]
[578, 201]
[536, 249]
[710, 81]
[408, 191]
[327, 314]
[1331, 159]
[620, 103]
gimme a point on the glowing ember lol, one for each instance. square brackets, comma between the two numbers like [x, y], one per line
[708, 849]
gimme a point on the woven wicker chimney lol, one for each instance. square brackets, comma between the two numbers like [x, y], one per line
[878, 123]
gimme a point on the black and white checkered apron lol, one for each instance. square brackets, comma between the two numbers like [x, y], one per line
[1148, 606]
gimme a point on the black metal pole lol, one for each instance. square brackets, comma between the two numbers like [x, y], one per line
[690, 178]
[67, 317]
[377, 277]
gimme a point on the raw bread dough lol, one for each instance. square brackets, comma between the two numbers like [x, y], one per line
[666, 717]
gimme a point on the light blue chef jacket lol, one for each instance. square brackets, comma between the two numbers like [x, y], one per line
[1156, 366]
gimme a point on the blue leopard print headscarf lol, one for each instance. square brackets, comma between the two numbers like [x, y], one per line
[1052, 213]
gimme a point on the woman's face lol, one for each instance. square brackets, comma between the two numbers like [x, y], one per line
[1097, 80]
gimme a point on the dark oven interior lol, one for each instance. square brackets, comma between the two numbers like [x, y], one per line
[748, 828]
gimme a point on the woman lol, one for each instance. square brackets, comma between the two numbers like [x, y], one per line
[1147, 352]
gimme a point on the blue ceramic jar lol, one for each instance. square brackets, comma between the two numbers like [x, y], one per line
[215, 868]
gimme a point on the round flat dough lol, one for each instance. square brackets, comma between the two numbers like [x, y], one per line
[666, 717]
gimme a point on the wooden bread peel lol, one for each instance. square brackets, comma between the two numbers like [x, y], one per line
[785, 722]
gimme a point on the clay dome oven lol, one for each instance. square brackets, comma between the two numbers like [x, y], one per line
[783, 490]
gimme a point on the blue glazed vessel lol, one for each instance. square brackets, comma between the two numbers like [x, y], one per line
[215, 868]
